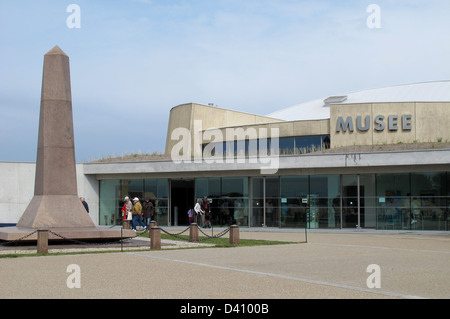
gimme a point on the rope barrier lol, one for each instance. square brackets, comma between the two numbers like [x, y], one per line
[121, 240]
[18, 239]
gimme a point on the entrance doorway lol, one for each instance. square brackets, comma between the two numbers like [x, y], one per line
[352, 206]
[358, 201]
[182, 192]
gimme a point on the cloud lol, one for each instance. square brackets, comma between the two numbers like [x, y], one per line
[141, 58]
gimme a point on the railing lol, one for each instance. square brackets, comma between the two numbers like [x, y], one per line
[153, 230]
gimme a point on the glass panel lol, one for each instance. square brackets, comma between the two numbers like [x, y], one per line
[157, 191]
[111, 202]
[229, 149]
[201, 188]
[234, 200]
[211, 188]
[392, 200]
[214, 187]
[251, 147]
[325, 201]
[228, 197]
[306, 144]
[286, 145]
[349, 201]
[294, 201]
[257, 218]
[428, 201]
[447, 204]
[135, 188]
[368, 201]
[273, 201]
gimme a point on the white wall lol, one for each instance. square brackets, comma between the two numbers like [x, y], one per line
[17, 190]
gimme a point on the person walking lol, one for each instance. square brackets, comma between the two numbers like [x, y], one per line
[137, 213]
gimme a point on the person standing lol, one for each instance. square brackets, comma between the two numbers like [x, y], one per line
[86, 206]
[148, 211]
[127, 209]
[199, 213]
[207, 210]
[191, 214]
[137, 213]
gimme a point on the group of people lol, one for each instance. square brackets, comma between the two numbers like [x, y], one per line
[201, 214]
[135, 211]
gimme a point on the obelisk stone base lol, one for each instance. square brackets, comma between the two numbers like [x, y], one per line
[46, 211]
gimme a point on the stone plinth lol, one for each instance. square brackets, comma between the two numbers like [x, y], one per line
[234, 235]
[193, 233]
[155, 237]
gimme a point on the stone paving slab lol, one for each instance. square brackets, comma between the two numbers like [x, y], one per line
[331, 265]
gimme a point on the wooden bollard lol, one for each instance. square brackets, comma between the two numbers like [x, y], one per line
[155, 238]
[42, 241]
[193, 233]
[152, 223]
[234, 235]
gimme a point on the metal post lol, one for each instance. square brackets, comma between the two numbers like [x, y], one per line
[264, 202]
[306, 233]
[175, 216]
[359, 202]
[340, 200]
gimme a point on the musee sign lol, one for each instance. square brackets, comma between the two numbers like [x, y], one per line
[393, 122]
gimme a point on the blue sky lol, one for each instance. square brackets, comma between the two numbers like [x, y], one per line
[132, 61]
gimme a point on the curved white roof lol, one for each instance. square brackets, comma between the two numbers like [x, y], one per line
[438, 91]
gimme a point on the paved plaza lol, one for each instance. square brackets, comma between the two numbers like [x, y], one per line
[329, 265]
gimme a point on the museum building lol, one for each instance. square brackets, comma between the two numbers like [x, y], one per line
[376, 159]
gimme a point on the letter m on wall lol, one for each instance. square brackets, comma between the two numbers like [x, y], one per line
[344, 125]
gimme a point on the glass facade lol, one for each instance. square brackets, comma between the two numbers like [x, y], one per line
[292, 192]
[228, 197]
[412, 201]
[286, 146]
[113, 192]
[325, 201]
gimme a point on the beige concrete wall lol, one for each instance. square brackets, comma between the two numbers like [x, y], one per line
[180, 116]
[17, 190]
[433, 122]
[286, 129]
[183, 116]
[429, 123]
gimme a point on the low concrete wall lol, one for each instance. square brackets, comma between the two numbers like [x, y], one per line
[17, 190]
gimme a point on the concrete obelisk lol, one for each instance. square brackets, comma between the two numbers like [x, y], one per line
[55, 202]
[55, 205]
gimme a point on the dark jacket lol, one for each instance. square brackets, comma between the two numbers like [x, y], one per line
[148, 209]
